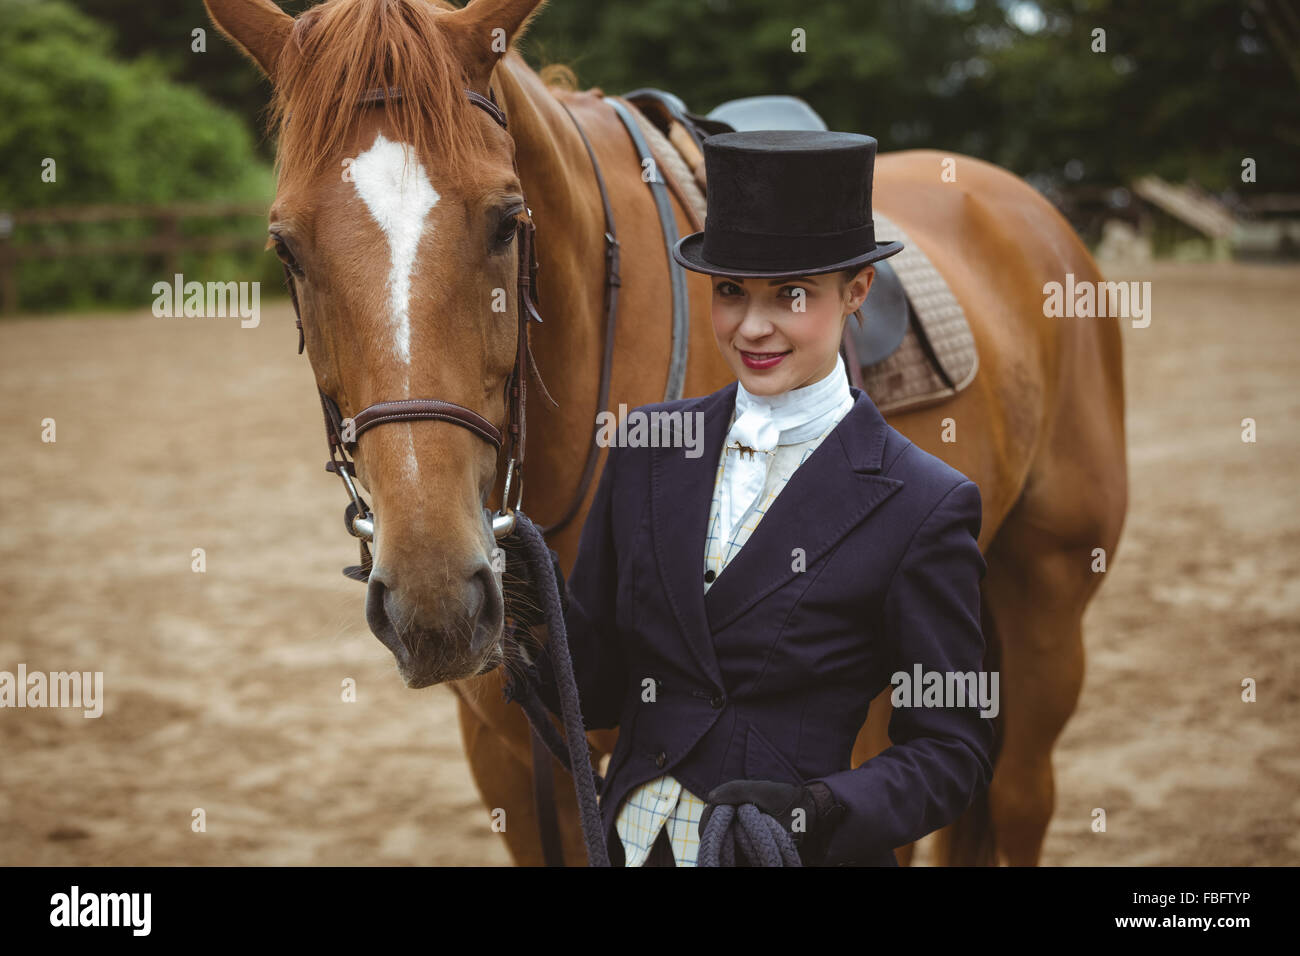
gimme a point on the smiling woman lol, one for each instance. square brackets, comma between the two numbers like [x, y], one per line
[789, 328]
[814, 504]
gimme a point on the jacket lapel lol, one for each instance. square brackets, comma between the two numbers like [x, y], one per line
[827, 496]
[681, 492]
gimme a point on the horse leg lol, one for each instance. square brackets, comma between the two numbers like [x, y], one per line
[496, 741]
[1038, 601]
[1043, 570]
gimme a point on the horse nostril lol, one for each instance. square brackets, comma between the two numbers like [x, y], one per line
[487, 609]
[376, 616]
[421, 639]
[379, 619]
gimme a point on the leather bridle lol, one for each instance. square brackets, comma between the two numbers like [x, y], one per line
[343, 434]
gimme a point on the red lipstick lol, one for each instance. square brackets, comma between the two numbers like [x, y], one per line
[761, 360]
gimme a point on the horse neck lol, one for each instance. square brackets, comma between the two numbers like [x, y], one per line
[553, 164]
[561, 192]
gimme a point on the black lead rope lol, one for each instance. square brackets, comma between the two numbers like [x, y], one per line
[751, 831]
[578, 759]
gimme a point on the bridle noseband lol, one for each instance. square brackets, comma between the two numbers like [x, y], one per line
[343, 434]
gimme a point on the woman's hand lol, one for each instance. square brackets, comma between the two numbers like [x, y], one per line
[808, 813]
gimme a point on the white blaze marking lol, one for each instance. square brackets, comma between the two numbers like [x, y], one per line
[396, 190]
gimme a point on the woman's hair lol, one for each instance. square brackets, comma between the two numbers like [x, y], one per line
[846, 275]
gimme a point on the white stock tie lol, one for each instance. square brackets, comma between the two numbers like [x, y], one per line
[762, 423]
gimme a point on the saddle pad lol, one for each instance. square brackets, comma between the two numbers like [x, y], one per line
[908, 379]
[937, 324]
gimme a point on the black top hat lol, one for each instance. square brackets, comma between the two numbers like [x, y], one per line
[785, 203]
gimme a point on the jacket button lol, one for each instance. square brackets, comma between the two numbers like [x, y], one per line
[709, 575]
[717, 701]
[661, 758]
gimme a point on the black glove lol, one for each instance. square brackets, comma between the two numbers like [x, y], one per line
[821, 811]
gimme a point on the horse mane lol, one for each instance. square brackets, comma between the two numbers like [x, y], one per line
[341, 49]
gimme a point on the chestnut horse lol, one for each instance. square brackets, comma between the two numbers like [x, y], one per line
[397, 220]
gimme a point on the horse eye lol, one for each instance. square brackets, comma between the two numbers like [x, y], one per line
[285, 254]
[505, 233]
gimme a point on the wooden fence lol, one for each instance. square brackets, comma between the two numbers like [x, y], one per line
[166, 239]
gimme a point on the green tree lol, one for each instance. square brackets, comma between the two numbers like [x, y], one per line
[117, 132]
[1184, 89]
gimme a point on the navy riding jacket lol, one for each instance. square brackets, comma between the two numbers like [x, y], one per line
[866, 564]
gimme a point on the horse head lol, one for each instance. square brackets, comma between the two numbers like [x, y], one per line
[397, 214]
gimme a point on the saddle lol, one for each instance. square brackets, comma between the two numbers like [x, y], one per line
[910, 345]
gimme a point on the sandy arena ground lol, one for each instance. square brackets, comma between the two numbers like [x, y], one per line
[223, 688]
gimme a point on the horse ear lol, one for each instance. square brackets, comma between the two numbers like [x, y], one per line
[258, 27]
[485, 31]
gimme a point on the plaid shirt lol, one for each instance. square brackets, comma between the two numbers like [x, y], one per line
[664, 801]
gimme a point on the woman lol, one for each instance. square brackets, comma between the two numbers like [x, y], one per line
[734, 612]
